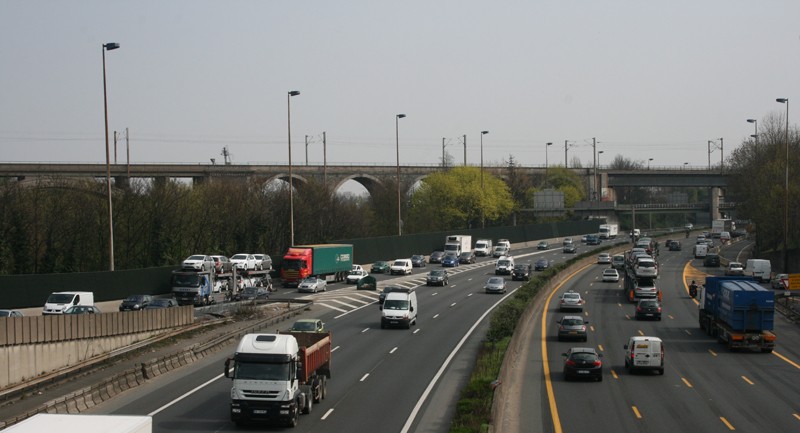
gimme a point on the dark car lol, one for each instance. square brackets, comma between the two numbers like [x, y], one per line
[436, 257]
[583, 362]
[572, 328]
[161, 303]
[82, 309]
[592, 240]
[543, 245]
[467, 257]
[570, 248]
[648, 309]
[711, 261]
[521, 271]
[135, 302]
[418, 261]
[541, 264]
[380, 267]
[254, 293]
[437, 277]
[450, 260]
[675, 246]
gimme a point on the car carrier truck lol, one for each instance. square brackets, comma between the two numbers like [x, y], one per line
[193, 288]
[330, 262]
[277, 376]
[739, 312]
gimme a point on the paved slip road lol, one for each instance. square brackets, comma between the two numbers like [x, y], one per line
[382, 380]
[705, 387]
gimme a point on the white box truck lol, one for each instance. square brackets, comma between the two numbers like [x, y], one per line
[72, 423]
[483, 247]
[608, 231]
[457, 244]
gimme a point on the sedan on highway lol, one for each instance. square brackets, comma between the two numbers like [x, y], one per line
[436, 257]
[583, 362]
[437, 277]
[648, 309]
[734, 268]
[380, 267]
[135, 302]
[495, 285]
[418, 261]
[10, 313]
[572, 328]
[467, 257]
[610, 275]
[571, 300]
[570, 248]
[543, 245]
[313, 285]
[541, 265]
[355, 276]
[450, 260]
[604, 259]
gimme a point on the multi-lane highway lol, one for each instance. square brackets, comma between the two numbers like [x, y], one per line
[705, 387]
[382, 380]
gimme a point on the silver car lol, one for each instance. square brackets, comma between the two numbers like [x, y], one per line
[199, 262]
[495, 285]
[571, 300]
[572, 328]
[313, 285]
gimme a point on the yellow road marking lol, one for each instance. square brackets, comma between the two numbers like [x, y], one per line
[636, 412]
[591, 327]
[641, 333]
[600, 347]
[792, 363]
[627, 316]
[687, 382]
[545, 362]
[614, 374]
[730, 426]
[712, 352]
[748, 380]
[586, 313]
[796, 415]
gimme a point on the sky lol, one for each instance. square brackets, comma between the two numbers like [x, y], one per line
[645, 79]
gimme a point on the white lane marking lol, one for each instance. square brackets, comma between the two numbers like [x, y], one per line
[435, 315]
[343, 303]
[365, 330]
[362, 302]
[416, 330]
[330, 411]
[364, 377]
[331, 307]
[197, 388]
[434, 293]
[334, 349]
[393, 350]
[469, 295]
[348, 312]
[446, 364]
[453, 304]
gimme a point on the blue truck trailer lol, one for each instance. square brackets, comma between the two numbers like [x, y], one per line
[738, 312]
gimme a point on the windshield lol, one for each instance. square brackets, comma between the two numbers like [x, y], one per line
[437, 273]
[399, 263]
[503, 262]
[304, 326]
[294, 264]
[395, 304]
[519, 267]
[186, 280]
[196, 258]
[646, 264]
[495, 281]
[60, 298]
[239, 257]
[310, 280]
[262, 371]
[572, 322]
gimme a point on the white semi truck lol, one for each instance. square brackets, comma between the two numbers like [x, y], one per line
[277, 376]
[74, 423]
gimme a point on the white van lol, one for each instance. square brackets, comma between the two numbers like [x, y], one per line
[504, 242]
[399, 308]
[700, 251]
[504, 265]
[760, 269]
[59, 301]
[483, 247]
[644, 353]
[401, 266]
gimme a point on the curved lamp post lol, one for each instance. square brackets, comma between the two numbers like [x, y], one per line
[397, 145]
[108, 47]
[291, 192]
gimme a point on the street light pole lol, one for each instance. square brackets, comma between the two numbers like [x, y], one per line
[721, 155]
[397, 142]
[786, 193]
[599, 178]
[306, 149]
[648, 163]
[291, 188]
[546, 162]
[108, 47]
[443, 165]
[482, 134]
[755, 130]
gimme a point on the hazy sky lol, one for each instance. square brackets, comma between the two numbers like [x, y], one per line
[648, 79]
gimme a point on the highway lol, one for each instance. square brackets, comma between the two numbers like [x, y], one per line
[382, 380]
[705, 387]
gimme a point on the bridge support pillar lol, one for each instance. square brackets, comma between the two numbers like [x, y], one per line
[714, 205]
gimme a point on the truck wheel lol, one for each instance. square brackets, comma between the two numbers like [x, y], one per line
[293, 420]
[325, 386]
[309, 404]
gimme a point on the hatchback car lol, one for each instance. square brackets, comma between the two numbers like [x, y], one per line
[308, 325]
[521, 271]
[82, 309]
[495, 285]
[711, 261]
[466, 258]
[380, 267]
[780, 282]
[198, 262]
[734, 268]
[161, 303]
[583, 362]
[648, 309]
[436, 257]
[10, 313]
[418, 261]
[437, 277]
[355, 276]
[571, 300]
[263, 261]
[675, 246]
[567, 241]
[244, 261]
[450, 260]
[500, 251]
[313, 285]
[541, 264]
[572, 328]
[610, 275]
[543, 245]
[570, 248]
[222, 264]
[604, 259]
[135, 302]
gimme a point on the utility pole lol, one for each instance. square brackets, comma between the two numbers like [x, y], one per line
[721, 153]
[442, 152]
[594, 164]
[465, 150]
[115, 147]
[324, 159]
[306, 149]
[128, 152]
